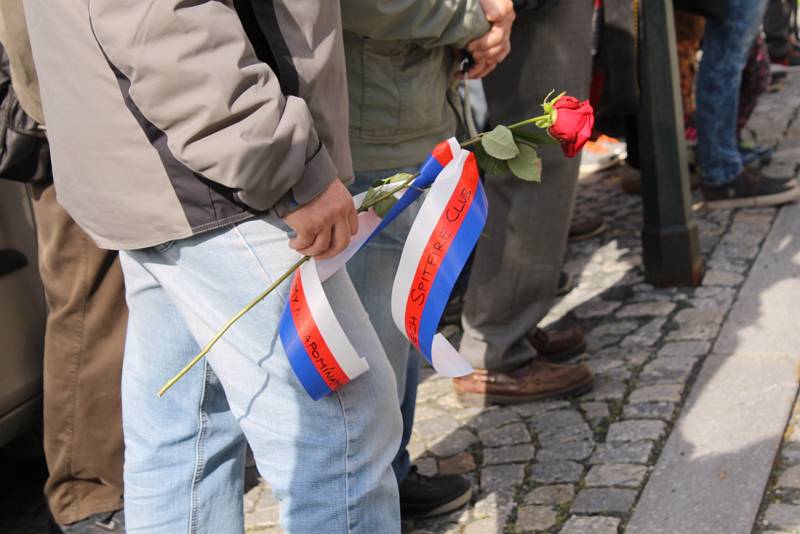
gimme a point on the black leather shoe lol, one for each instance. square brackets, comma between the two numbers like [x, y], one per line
[423, 496]
[750, 189]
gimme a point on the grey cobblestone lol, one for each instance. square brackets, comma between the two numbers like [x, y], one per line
[697, 323]
[557, 471]
[636, 452]
[606, 389]
[457, 442]
[436, 426]
[790, 478]
[636, 430]
[533, 409]
[569, 450]
[596, 308]
[494, 504]
[668, 369]
[722, 278]
[784, 516]
[657, 393]
[650, 410]
[646, 336]
[591, 525]
[498, 477]
[535, 518]
[557, 436]
[790, 453]
[780, 507]
[552, 495]
[621, 475]
[595, 410]
[647, 309]
[555, 420]
[507, 455]
[505, 435]
[604, 501]
[618, 328]
[493, 419]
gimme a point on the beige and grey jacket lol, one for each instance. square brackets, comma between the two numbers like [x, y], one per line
[14, 37]
[167, 118]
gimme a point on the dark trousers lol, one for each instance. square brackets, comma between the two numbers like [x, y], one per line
[82, 365]
[776, 28]
[517, 263]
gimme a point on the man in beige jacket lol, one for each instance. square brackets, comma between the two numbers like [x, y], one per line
[207, 141]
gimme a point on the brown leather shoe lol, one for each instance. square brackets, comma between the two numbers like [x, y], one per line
[558, 345]
[565, 284]
[535, 381]
[586, 227]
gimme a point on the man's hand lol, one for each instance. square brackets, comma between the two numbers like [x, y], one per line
[493, 47]
[324, 225]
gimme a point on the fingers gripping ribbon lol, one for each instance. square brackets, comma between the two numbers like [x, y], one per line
[439, 243]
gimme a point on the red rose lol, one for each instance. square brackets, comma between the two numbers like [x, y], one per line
[573, 125]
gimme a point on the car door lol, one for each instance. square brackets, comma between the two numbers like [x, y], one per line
[22, 315]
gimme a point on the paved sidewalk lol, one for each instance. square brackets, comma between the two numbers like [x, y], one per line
[713, 470]
[579, 467]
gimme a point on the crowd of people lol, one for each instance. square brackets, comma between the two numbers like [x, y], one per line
[199, 149]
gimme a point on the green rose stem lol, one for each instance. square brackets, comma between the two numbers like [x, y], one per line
[541, 121]
[364, 207]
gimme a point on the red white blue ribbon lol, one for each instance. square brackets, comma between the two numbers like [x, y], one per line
[439, 243]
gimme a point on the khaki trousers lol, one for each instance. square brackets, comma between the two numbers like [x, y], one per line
[82, 365]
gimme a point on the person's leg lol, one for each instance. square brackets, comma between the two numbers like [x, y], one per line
[689, 30]
[776, 28]
[82, 365]
[184, 459]
[755, 81]
[408, 406]
[516, 268]
[725, 48]
[372, 271]
[328, 461]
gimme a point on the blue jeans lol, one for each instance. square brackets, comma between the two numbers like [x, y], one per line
[328, 462]
[726, 45]
[372, 271]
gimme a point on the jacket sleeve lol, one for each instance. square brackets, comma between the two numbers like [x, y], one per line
[188, 68]
[429, 24]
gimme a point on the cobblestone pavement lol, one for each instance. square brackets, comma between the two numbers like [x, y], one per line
[578, 466]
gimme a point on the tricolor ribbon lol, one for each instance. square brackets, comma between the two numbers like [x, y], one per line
[439, 243]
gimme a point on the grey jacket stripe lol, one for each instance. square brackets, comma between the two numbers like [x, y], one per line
[261, 25]
[202, 200]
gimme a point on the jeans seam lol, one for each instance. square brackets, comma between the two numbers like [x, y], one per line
[199, 467]
[261, 267]
[346, 461]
